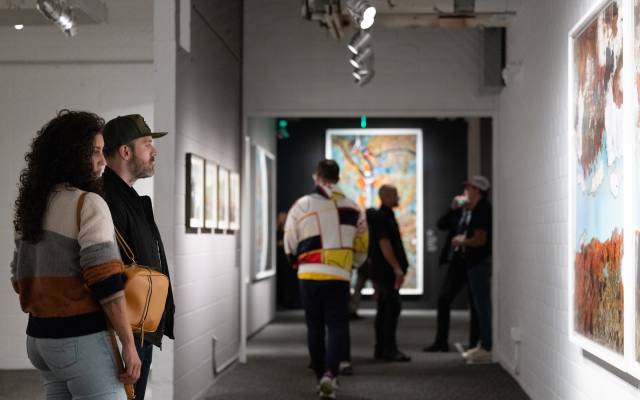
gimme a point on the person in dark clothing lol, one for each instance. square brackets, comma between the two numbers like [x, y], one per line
[475, 243]
[287, 291]
[130, 155]
[389, 267]
[363, 274]
[455, 222]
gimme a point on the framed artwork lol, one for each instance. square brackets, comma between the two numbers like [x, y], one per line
[223, 198]
[263, 204]
[234, 201]
[370, 158]
[600, 254]
[195, 191]
[210, 195]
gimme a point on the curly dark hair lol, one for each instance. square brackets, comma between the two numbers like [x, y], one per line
[60, 153]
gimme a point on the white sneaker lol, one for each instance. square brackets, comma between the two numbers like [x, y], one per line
[327, 387]
[480, 356]
[467, 353]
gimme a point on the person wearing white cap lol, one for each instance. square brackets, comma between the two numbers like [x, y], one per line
[475, 243]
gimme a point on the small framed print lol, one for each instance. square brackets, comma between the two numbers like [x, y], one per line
[223, 198]
[195, 191]
[210, 195]
[234, 201]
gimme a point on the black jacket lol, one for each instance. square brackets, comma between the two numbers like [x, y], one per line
[133, 216]
[448, 222]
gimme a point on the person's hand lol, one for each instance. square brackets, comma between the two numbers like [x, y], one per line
[399, 278]
[458, 201]
[457, 241]
[132, 365]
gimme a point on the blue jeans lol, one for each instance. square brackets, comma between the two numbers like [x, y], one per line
[81, 367]
[326, 305]
[480, 284]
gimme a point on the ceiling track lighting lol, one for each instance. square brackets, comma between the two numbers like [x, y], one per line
[362, 12]
[359, 41]
[364, 75]
[58, 12]
[360, 59]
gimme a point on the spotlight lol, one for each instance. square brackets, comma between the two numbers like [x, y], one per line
[363, 75]
[359, 41]
[18, 27]
[361, 58]
[362, 12]
[60, 14]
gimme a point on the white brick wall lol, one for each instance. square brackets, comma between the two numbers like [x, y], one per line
[31, 94]
[531, 262]
[207, 273]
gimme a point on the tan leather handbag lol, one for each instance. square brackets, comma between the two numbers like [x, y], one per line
[145, 291]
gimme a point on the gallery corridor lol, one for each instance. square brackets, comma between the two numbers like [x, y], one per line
[277, 367]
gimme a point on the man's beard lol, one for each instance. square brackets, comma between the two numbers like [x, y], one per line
[142, 169]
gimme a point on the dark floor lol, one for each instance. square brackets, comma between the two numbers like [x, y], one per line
[277, 368]
[278, 360]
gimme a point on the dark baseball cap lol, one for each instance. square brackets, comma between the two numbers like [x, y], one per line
[121, 130]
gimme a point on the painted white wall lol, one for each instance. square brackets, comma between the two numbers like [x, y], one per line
[293, 67]
[531, 259]
[106, 69]
[261, 295]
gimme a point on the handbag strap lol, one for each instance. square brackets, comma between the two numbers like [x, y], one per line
[79, 208]
[124, 246]
[128, 388]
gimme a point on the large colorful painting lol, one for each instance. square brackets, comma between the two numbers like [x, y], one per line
[596, 176]
[370, 158]
[263, 171]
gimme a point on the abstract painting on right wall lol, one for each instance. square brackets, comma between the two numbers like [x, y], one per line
[596, 191]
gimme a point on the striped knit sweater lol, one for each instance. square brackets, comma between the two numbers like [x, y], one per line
[62, 278]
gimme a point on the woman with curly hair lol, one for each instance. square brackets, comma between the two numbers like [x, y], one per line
[66, 266]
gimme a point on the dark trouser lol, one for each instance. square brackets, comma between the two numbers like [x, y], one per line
[389, 308]
[146, 354]
[480, 284]
[455, 280]
[326, 304]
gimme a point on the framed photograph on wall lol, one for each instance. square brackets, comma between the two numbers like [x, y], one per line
[234, 201]
[210, 195]
[195, 191]
[223, 198]
[601, 240]
[370, 158]
[264, 210]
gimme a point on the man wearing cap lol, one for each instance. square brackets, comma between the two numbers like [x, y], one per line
[131, 155]
[475, 244]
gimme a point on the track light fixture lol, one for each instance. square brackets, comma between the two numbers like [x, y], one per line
[362, 12]
[360, 59]
[363, 75]
[60, 14]
[359, 42]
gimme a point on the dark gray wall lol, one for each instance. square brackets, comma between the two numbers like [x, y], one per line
[444, 162]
